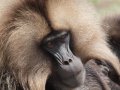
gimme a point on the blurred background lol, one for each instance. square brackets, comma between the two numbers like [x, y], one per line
[106, 7]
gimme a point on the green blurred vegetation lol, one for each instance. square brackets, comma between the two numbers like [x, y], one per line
[95, 1]
[107, 6]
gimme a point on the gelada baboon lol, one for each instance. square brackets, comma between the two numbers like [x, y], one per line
[23, 25]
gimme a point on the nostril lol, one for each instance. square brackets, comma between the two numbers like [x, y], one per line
[70, 60]
[66, 63]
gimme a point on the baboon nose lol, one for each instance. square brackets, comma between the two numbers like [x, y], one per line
[67, 62]
[70, 60]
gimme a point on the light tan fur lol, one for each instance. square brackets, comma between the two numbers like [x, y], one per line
[80, 18]
[20, 36]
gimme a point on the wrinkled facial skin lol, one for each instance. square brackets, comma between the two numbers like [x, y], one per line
[68, 67]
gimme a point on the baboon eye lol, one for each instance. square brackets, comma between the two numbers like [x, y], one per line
[62, 37]
[50, 45]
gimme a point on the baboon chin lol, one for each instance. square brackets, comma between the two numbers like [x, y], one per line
[25, 23]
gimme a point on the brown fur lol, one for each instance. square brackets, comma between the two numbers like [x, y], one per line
[20, 36]
[23, 24]
[111, 25]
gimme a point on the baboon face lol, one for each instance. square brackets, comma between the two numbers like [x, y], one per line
[66, 65]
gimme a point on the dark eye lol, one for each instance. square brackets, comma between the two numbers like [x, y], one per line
[50, 45]
[63, 36]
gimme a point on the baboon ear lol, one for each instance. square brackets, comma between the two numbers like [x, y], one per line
[108, 70]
